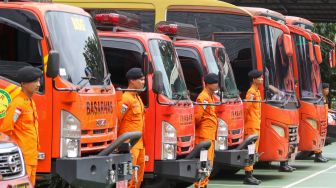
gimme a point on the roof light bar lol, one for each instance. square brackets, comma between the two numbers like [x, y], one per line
[178, 30]
[106, 20]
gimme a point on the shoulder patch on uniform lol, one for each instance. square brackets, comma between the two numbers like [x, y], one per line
[251, 97]
[17, 113]
[204, 106]
[124, 108]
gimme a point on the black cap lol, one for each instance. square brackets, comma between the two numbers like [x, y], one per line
[28, 74]
[325, 85]
[211, 78]
[254, 73]
[134, 73]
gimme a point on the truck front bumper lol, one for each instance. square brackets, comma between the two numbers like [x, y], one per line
[235, 158]
[95, 171]
[184, 170]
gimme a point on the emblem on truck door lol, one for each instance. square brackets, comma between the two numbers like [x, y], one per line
[101, 122]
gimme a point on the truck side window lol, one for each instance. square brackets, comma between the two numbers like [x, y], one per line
[192, 70]
[18, 48]
[122, 55]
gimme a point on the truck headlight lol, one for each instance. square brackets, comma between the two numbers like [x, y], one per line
[312, 123]
[70, 135]
[169, 141]
[222, 134]
[279, 130]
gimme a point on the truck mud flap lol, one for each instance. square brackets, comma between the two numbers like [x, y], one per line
[95, 171]
[184, 170]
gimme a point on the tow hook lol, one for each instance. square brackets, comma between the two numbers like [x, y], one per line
[204, 172]
[112, 176]
[135, 170]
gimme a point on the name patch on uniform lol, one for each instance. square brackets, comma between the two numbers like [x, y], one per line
[17, 114]
[124, 108]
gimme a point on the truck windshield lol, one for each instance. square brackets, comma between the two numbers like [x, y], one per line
[75, 38]
[306, 68]
[278, 69]
[165, 60]
[221, 62]
[317, 80]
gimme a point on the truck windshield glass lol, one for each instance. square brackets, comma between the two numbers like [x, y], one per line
[317, 81]
[75, 38]
[221, 62]
[165, 60]
[277, 65]
[306, 75]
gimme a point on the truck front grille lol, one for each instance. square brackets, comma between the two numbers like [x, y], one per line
[11, 165]
[293, 135]
[235, 131]
[323, 128]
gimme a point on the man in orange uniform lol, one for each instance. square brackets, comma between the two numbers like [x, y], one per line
[206, 119]
[252, 113]
[131, 118]
[318, 153]
[21, 123]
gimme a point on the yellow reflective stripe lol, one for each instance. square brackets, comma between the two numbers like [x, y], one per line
[45, 61]
[9, 88]
[15, 92]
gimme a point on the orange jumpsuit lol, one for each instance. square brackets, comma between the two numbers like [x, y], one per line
[21, 124]
[252, 113]
[206, 127]
[131, 118]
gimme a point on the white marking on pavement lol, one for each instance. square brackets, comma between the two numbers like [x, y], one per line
[311, 176]
[243, 185]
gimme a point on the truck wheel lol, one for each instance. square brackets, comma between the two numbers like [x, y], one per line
[157, 183]
[304, 155]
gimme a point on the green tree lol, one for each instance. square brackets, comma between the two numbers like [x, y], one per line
[328, 74]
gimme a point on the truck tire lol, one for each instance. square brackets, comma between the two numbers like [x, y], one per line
[304, 155]
[158, 183]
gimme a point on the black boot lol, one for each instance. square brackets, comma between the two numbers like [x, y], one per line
[320, 159]
[250, 179]
[285, 167]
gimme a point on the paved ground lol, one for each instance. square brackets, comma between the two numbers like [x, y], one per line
[307, 175]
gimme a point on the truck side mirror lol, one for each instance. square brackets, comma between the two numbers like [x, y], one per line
[311, 52]
[53, 64]
[318, 53]
[221, 81]
[157, 82]
[266, 81]
[288, 45]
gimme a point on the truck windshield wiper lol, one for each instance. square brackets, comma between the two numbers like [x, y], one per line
[87, 78]
[320, 98]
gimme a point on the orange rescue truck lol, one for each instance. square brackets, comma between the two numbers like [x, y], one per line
[169, 134]
[12, 168]
[76, 101]
[307, 57]
[199, 58]
[280, 117]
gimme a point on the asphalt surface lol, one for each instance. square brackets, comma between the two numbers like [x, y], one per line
[308, 174]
